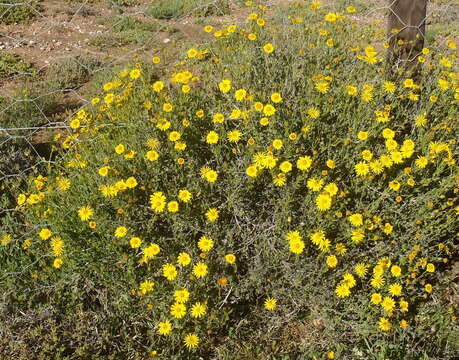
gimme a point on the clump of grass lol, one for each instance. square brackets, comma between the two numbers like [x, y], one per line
[125, 30]
[170, 9]
[12, 65]
[72, 72]
[18, 11]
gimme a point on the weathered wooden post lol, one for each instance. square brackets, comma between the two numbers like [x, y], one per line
[406, 30]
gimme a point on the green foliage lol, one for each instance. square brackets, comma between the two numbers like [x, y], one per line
[170, 9]
[92, 304]
[126, 30]
[12, 65]
[72, 72]
[18, 11]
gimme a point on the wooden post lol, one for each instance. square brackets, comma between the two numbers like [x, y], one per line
[406, 30]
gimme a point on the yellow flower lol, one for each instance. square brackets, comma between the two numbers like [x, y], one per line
[85, 213]
[164, 328]
[146, 286]
[209, 174]
[230, 258]
[135, 242]
[184, 195]
[342, 290]
[395, 270]
[218, 118]
[330, 164]
[362, 135]
[191, 341]
[384, 324]
[264, 121]
[240, 94]
[296, 246]
[157, 86]
[205, 244]
[252, 171]
[361, 270]
[57, 245]
[119, 149]
[172, 206]
[75, 123]
[394, 185]
[184, 259]
[121, 231]
[225, 86]
[430, 268]
[362, 168]
[351, 90]
[332, 261]
[134, 74]
[376, 298]
[198, 310]
[158, 202]
[270, 304]
[395, 289]
[178, 310]
[356, 219]
[191, 53]
[169, 271]
[322, 87]
[45, 234]
[304, 163]
[167, 107]
[323, 201]
[331, 189]
[21, 199]
[234, 136]
[377, 282]
[268, 48]
[388, 304]
[131, 182]
[200, 270]
[313, 112]
[269, 110]
[212, 214]
[285, 166]
[331, 17]
[276, 98]
[57, 263]
[212, 137]
[174, 136]
[315, 184]
[181, 296]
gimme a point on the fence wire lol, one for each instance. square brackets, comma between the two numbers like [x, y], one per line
[51, 38]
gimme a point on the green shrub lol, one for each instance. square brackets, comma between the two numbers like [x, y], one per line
[170, 9]
[72, 72]
[12, 65]
[125, 30]
[18, 11]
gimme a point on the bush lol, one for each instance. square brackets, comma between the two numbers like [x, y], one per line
[277, 176]
[72, 72]
[170, 9]
[18, 11]
[125, 30]
[12, 65]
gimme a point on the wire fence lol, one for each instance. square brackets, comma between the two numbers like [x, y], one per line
[51, 51]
